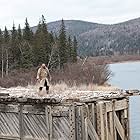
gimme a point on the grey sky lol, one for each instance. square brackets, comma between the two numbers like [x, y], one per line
[101, 11]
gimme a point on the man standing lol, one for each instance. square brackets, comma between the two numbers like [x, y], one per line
[43, 77]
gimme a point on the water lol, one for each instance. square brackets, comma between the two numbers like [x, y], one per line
[127, 76]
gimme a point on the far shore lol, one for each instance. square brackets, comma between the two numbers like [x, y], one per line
[114, 59]
[127, 61]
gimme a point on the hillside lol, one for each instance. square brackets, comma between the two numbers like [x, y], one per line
[101, 39]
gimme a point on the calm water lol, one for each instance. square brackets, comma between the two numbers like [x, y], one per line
[127, 76]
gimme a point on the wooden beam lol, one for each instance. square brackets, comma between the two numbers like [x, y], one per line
[119, 127]
[91, 130]
[21, 122]
[72, 122]
[49, 122]
[83, 131]
[118, 105]
[113, 115]
[111, 129]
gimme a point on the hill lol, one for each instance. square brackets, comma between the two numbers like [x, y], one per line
[101, 39]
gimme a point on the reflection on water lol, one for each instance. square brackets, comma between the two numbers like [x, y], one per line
[127, 76]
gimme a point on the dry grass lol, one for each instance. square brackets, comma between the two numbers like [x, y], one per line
[73, 75]
[61, 89]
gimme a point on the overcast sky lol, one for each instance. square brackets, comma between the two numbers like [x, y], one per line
[101, 11]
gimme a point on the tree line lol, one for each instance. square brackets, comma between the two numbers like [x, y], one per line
[26, 49]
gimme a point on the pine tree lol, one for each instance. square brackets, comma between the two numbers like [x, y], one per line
[74, 54]
[1, 38]
[13, 48]
[6, 37]
[27, 32]
[26, 57]
[63, 49]
[19, 34]
[70, 49]
[42, 48]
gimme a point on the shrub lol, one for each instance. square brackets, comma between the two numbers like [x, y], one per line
[72, 74]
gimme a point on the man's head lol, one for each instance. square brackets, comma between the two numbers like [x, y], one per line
[43, 66]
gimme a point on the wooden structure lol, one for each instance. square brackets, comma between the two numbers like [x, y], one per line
[23, 118]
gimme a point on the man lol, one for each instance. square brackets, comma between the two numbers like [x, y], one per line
[42, 77]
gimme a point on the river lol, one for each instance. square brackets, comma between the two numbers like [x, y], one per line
[127, 76]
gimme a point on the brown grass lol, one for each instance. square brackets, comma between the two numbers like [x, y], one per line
[73, 75]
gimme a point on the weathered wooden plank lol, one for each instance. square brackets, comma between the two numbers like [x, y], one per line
[58, 108]
[72, 122]
[21, 124]
[105, 117]
[98, 120]
[82, 123]
[28, 100]
[118, 105]
[102, 121]
[86, 129]
[49, 121]
[9, 108]
[61, 128]
[93, 115]
[2, 137]
[128, 121]
[109, 106]
[91, 129]
[111, 126]
[119, 127]
[121, 104]
[114, 128]
[78, 123]
[34, 109]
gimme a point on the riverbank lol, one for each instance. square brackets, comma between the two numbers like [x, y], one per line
[113, 59]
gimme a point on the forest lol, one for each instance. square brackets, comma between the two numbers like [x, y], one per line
[25, 49]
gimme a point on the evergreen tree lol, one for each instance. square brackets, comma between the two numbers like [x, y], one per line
[70, 49]
[6, 37]
[27, 32]
[74, 54]
[42, 48]
[51, 40]
[63, 49]
[13, 48]
[26, 55]
[1, 37]
[19, 34]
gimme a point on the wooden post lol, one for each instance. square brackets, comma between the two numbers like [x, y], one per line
[106, 122]
[78, 123]
[72, 122]
[114, 127]
[21, 122]
[49, 121]
[101, 121]
[83, 127]
[92, 114]
[127, 123]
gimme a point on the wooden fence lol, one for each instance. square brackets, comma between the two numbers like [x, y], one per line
[49, 120]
